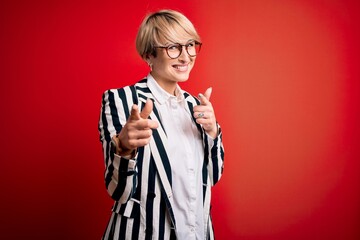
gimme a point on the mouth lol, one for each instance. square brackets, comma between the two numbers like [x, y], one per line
[181, 67]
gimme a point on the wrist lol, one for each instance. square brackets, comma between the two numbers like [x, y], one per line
[213, 132]
[120, 149]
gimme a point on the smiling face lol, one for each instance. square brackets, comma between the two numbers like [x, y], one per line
[167, 71]
[162, 29]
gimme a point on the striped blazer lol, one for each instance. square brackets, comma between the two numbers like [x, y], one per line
[141, 187]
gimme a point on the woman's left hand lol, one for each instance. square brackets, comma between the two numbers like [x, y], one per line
[205, 115]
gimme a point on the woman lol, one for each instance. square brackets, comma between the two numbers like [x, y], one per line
[162, 147]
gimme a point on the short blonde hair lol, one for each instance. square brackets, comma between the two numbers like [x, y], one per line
[161, 26]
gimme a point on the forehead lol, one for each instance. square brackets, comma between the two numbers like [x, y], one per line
[175, 34]
[180, 41]
[177, 39]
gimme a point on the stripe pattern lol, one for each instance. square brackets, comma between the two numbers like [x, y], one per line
[141, 187]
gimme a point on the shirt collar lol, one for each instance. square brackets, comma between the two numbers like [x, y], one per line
[160, 95]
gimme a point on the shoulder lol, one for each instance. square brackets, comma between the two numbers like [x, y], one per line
[127, 94]
[139, 86]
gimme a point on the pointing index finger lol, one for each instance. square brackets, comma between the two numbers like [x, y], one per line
[134, 114]
[145, 113]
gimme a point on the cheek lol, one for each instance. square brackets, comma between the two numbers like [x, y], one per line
[192, 63]
[161, 65]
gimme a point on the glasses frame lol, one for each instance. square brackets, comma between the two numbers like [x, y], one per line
[180, 48]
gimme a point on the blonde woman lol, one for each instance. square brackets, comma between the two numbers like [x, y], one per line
[162, 146]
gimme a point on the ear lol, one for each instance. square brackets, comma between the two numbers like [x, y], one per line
[147, 57]
[148, 60]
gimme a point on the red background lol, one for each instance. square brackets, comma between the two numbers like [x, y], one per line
[285, 78]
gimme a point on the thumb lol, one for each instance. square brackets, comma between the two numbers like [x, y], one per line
[207, 93]
[145, 113]
[204, 98]
[134, 114]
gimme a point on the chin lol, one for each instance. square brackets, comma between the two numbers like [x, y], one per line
[182, 79]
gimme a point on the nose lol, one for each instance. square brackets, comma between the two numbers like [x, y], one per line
[184, 56]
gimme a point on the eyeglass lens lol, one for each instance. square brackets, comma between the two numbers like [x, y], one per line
[174, 50]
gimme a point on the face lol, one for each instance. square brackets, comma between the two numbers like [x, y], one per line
[168, 72]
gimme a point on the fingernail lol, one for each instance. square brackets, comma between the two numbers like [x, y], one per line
[200, 95]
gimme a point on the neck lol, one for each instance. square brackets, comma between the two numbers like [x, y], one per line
[168, 86]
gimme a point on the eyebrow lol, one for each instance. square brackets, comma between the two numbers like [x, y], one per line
[171, 43]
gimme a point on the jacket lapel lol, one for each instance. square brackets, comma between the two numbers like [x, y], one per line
[190, 103]
[158, 147]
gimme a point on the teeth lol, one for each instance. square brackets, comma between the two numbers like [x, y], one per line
[181, 67]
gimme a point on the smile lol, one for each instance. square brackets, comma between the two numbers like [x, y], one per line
[181, 68]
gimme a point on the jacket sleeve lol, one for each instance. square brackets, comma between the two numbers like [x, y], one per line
[214, 150]
[120, 173]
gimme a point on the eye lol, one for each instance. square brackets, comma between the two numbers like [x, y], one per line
[191, 44]
[173, 47]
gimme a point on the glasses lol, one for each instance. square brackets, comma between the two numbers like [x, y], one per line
[174, 50]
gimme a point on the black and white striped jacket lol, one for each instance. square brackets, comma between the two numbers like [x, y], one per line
[141, 187]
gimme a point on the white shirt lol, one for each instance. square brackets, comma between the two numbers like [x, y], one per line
[186, 154]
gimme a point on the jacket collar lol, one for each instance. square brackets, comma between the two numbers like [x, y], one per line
[144, 92]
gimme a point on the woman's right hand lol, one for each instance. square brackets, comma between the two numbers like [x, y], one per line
[137, 130]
